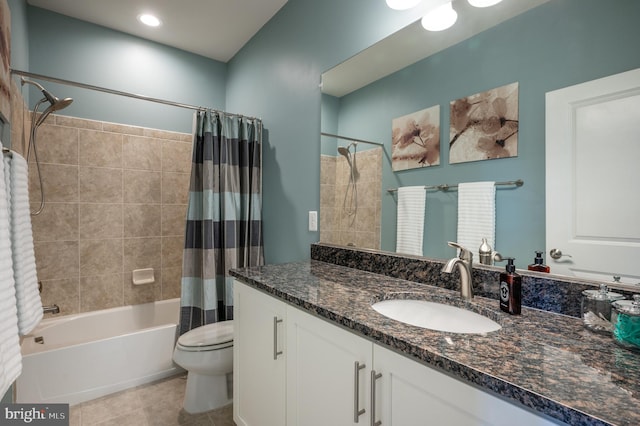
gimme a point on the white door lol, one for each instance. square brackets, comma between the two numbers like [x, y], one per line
[593, 178]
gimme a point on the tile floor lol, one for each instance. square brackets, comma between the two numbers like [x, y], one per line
[154, 404]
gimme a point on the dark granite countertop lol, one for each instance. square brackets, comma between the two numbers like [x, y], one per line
[545, 361]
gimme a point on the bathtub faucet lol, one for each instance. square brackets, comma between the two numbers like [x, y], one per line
[53, 309]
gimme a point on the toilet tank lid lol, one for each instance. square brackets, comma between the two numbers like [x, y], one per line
[207, 335]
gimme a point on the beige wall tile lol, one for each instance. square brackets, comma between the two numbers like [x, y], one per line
[165, 134]
[142, 186]
[57, 259]
[142, 253]
[122, 128]
[176, 157]
[101, 292]
[175, 188]
[100, 185]
[64, 293]
[144, 293]
[171, 282]
[56, 145]
[100, 149]
[173, 219]
[57, 221]
[140, 153]
[172, 248]
[100, 257]
[100, 221]
[60, 183]
[141, 220]
[78, 123]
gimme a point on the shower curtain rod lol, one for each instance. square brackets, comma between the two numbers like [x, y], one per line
[351, 139]
[120, 93]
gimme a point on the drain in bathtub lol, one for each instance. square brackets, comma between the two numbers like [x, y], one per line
[39, 340]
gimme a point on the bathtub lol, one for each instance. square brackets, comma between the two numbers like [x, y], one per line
[76, 358]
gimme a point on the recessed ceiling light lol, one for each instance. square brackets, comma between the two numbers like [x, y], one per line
[483, 3]
[402, 4]
[149, 20]
[440, 18]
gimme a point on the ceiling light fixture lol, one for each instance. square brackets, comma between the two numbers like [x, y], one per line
[149, 20]
[440, 18]
[483, 3]
[402, 4]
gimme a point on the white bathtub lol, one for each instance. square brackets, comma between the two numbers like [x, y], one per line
[86, 356]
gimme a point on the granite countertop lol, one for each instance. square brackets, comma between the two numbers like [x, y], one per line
[548, 362]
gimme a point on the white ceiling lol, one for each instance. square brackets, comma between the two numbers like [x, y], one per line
[215, 29]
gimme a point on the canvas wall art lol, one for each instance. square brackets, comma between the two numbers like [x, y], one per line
[416, 139]
[5, 61]
[484, 126]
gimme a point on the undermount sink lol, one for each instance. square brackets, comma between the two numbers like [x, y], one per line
[436, 316]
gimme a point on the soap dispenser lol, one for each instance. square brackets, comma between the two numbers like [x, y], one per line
[510, 289]
[538, 264]
[485, 253]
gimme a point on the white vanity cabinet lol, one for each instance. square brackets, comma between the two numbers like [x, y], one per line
[259, 358]
[329, 373]
[328, 368]
[411, 394]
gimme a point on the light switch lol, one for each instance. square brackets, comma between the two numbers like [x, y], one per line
[313, 221]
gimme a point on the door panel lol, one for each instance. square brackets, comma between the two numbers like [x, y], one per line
[592, 178]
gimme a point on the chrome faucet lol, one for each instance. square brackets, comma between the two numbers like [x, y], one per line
[53, 309]
[465, 263]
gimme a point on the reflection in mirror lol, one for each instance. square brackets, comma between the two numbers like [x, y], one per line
[350, 178]
[555, 44]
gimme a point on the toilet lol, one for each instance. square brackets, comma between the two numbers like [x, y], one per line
[206, 352]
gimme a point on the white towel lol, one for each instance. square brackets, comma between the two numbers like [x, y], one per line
[10, 357]
[410, 221]
[24, 260]
[476, 215]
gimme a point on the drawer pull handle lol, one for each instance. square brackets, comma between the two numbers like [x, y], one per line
[276, 352]
[357, 411]
[374, 376]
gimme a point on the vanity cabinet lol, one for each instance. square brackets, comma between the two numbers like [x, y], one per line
[329, 373]
[258, 358]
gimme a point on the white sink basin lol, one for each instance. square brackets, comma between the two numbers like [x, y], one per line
[435, 316]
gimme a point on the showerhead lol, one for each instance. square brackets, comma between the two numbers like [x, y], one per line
[55, 102]
[344, 151]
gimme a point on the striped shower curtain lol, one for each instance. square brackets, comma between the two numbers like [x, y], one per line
[224, 215]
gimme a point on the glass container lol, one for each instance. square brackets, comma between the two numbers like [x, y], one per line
[596, 309]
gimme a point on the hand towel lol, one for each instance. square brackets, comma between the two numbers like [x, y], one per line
[24, 260]
[410, 220]
[476, 215]
[10, 357]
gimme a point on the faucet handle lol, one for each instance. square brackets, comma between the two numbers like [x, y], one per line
[464, 253]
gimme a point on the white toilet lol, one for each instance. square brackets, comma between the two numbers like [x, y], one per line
[207, 354]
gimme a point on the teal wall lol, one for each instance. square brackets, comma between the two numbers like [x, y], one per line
[70, 49]
[276, 76]
[558, 44]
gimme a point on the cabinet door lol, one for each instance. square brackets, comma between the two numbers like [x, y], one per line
[321, 373]
[412, 394]
[259, 358]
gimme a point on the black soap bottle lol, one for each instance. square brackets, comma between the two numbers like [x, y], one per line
[538, 264]
[510, 289]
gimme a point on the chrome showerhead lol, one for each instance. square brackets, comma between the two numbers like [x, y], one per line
[55, 103]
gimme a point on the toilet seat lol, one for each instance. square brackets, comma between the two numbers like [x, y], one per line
[208, 337]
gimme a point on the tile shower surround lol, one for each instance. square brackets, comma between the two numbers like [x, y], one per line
[545, 361]
[116, 198]
[337, 227]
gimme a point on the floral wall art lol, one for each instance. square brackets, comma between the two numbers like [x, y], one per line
[416, 139]
[484, 126]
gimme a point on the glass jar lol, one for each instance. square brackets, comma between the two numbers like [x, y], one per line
[596, 309]
[625, 316]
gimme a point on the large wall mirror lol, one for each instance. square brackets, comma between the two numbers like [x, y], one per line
[544, 46]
